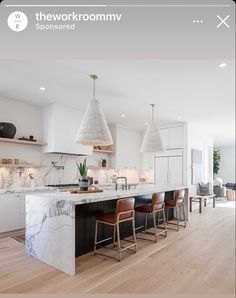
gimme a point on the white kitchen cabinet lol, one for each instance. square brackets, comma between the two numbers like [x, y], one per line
[175, 170]
[147, 161]
[165, 136]
[176, 136]
[12, 210]
[128, 143]
[161, 170]
[22, 211]
[9, 212]
[169, 170]
[60, 126]
[173, 137]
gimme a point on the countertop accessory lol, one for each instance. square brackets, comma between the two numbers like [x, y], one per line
[86, 191]
[94, 130]
[103, 162]
[84, 179]
[27, 139]
[16, 161]
[152, 141]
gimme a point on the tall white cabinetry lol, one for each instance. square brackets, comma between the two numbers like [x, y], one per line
[173, 137]
[169, 170]
[169, 165]
[128, 143]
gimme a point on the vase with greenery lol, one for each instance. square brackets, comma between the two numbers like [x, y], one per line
[216, 161]
[83, 171]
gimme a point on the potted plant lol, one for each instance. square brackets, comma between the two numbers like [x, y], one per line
[216, 167]
[216, 161]
[83, 171]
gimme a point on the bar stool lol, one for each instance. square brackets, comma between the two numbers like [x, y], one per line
[177, 204]
[156, 207]
[124, 212]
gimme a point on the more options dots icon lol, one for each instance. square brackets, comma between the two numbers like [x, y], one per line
[17, 21]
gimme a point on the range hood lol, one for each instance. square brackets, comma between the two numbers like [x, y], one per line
[60, 124]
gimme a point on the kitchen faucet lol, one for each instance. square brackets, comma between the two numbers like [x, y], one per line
[126, 184]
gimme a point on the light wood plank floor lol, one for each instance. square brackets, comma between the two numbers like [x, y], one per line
[198, 259]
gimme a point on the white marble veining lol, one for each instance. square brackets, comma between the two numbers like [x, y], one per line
[78, 199]
[27, 190]
[50, 222]
[50, 232]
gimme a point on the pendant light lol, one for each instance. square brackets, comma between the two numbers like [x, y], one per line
[94, 130]
[152, 141]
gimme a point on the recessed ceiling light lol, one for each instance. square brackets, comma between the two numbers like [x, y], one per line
[179, 118]
[122, 115]
[222, 65]
[42, 88]
[146, 123]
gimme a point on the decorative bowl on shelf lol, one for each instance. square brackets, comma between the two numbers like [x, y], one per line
[7, 130]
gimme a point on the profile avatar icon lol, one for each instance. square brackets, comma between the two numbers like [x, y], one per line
[17, 21]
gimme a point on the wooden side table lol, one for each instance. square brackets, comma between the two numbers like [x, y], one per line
[230, 193]
[200, 199]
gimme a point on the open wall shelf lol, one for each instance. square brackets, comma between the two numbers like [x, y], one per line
[21, 142]
[104, 151]
[99, 168]
[2, 165]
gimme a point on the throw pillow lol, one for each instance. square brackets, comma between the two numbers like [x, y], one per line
[204, 189]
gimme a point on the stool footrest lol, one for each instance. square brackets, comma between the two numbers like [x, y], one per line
[117, 249]
[104, 240]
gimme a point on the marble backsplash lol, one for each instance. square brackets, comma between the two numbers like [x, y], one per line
[63, 170]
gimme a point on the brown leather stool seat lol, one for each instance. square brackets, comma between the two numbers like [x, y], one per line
[157, 206]
[124, 212]
[148, 208]
[177, 203]
[108, 217]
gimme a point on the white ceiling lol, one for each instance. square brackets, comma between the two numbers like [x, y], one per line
[195, 90]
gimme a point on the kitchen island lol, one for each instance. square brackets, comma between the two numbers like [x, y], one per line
[60, 226]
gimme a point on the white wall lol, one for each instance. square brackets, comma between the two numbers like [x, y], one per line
[28, 121]
[227, 164]
[201, 139]
[26, 117]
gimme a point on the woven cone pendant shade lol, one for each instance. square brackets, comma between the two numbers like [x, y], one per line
[152, 141]
[94, 130]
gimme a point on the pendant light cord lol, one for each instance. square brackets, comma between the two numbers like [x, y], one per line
[94, 77]
[153, 106]
[93, 88]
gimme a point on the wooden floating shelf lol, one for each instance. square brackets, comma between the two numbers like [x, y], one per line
[21, 142]
[99, 168]
[104, 151]
[3, 165]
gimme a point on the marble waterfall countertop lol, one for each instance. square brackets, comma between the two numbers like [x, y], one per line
[51, 230]
[77, 199]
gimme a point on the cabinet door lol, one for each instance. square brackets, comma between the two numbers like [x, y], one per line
[175, 168]
[9, 212]
[128, 144]
[22, 211]
[147, 161]
[165, 137]
[161, 170]
[176, 137]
